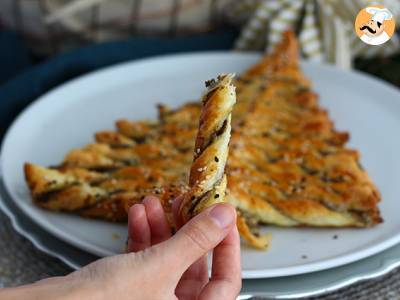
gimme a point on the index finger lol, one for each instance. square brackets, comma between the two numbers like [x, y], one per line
[226, 278]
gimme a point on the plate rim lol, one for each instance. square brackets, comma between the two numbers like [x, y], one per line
[286, 271]
[39, 245]
[19, 228]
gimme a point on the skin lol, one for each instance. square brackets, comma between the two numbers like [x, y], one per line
[159, 265]
[374, 26]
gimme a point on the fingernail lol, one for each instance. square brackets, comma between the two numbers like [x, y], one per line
[222, 215]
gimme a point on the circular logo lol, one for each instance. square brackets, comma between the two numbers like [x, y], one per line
[375, 25]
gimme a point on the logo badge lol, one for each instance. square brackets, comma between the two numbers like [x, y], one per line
[375, 25]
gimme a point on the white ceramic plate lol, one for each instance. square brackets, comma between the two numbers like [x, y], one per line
[68, 116]
[297, 286]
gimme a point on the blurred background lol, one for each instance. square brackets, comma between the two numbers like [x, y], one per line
[46, 42]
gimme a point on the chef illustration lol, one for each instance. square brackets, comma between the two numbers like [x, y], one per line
[374, 30]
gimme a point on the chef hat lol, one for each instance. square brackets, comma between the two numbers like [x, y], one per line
[379, 14]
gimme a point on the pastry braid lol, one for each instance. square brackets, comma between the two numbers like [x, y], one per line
[207, 181]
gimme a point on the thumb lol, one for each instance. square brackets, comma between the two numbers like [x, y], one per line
[197, 237]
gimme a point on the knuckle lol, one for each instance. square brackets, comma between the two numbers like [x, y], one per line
[232, 284]
[233, 287]
[198, 237]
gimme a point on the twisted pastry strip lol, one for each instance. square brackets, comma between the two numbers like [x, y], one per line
[207, 181]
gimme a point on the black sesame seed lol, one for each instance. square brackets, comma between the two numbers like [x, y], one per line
[216, 196]
[209, 82]
[216, 159]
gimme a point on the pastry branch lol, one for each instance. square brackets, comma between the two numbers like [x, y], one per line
[207, 180]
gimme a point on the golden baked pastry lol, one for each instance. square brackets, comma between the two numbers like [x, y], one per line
[207, 179]
[287, 165]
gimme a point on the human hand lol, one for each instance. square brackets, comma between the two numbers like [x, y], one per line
[162, 266]
[148, 227]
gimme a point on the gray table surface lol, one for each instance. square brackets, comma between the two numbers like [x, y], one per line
[21, 263]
